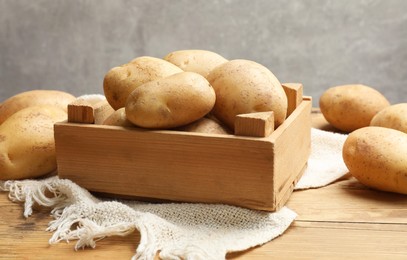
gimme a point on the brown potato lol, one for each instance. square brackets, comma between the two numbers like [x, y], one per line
[198, 61]
[350, 107]
[25, 99]
[394, 117]
[243, 87]
[376, 156]
[120, 81]
[92, 99]
[27, 146]
[205, 125]
[170, 102]
[118, 118]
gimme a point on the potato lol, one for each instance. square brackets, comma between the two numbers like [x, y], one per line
[394, 117]
[199, 61]
[92, 99]
[120, 81]
[376, 156]
[205, 125]
[27, 146]
[118, 118]
[25, 99]
[350, 107]
[170, 102]
[243, 87]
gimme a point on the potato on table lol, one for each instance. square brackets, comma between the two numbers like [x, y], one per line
[170, 102]
[394, 117]
[25, 99]
[243, 87]
[120, 81]
[350, 107]
[376, 156]
[27, 146]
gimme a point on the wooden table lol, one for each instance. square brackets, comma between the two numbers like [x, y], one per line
[342, 220]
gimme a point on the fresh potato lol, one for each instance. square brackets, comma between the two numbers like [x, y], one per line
[27, 146]
[120, 81]
[205, 125]
[394, 117]
[376, 156]
[118, 118]
[243, 87]
[199, 61]
[170, 102]
[350, 107]
[92, 99]
[25, 99]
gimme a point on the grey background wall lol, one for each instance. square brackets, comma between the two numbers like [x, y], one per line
[70, 45]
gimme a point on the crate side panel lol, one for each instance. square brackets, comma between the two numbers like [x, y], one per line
[292, 149]
[175, 167]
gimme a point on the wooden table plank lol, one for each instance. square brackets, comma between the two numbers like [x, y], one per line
[342, 220]
[349, 201]
[22, 238]
[313, 240]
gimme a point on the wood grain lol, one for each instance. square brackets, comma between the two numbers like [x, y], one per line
[342, 220]
[294, 93]
[80, 111]
[89, 111]
[22, 238]
[255, 124]
[355, 201]
[319, 240]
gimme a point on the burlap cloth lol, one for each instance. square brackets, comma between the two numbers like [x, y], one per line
[176, 230]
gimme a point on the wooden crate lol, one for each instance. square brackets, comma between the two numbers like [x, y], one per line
[252, 172]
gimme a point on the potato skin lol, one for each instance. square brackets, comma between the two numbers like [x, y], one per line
[118, 118]
[25, 99]
[205, 125]
[350, 107]
[394, 117]
[120, 81]
[198, 61]
[27, 146]
[170, 102]
[376, 156]
[244, 86]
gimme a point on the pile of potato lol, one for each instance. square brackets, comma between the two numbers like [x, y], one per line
[375, 151]
[27, 146]
[195, 87]
[188, 90]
